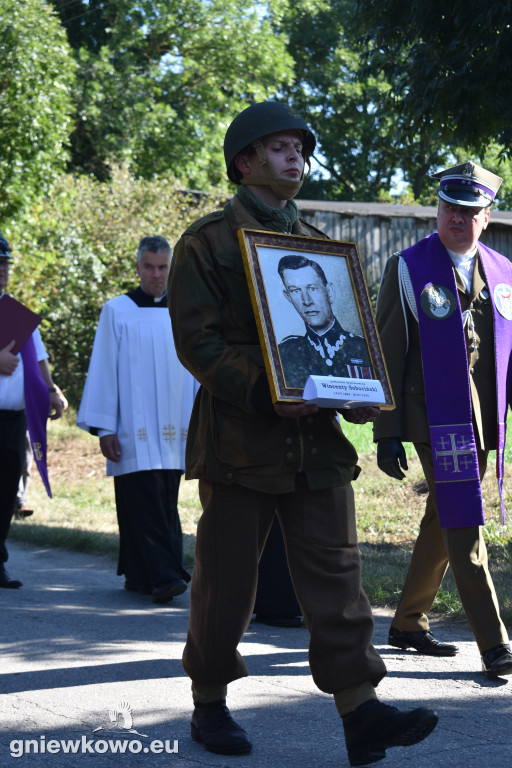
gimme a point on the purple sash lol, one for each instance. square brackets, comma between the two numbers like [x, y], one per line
[498, 275]
[445, 370]
[37, 408]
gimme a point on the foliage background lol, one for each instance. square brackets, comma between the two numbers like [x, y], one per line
[110, 109]
[77, 248]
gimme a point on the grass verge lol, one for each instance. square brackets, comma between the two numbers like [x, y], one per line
[82, 515]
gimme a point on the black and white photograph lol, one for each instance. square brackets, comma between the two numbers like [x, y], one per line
[313, 311]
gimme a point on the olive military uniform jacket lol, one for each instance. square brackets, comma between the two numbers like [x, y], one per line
[235, 435]
[335, 353]
[400, 338]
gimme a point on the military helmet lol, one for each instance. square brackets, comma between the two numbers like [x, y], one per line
[259, 120]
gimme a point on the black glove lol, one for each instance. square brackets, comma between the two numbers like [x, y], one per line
[391, 456]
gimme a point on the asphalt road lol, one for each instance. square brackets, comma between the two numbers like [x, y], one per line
[86, 663]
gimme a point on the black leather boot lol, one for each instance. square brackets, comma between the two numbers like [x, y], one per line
[213, 726]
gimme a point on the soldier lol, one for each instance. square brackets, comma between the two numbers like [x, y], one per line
[254, 459]
[326, 349]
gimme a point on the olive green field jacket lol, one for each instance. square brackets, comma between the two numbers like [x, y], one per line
[235, 436]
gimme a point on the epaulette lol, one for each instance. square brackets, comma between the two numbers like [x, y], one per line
[290, 338]
[311, 226]
[194, 228]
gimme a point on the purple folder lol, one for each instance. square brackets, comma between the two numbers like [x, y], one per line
[16, 322]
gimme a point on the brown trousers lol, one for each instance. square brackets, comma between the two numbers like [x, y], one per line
[323, 555]
[465, 551]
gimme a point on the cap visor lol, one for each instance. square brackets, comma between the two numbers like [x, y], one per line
[465, 198]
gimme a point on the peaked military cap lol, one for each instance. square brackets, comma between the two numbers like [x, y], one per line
[467, 184]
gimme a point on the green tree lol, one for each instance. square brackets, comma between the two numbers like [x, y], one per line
[160, 80]
[449, 63]
[76, 248]
[36, 74]
[361, 130]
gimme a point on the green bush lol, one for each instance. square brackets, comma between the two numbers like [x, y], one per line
[76, 248]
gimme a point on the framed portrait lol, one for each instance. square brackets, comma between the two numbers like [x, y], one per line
[315, 320]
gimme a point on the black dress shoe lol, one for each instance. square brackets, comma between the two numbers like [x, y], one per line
[213, 726]
[423, 641]
[497, 661]
[374, 727]
[5, 580]
[276, 620]
[166, 592]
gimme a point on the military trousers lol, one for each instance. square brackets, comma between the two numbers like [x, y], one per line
[323, 556]
[464, 550]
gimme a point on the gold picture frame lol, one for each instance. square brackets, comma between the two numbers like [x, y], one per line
[277, 267]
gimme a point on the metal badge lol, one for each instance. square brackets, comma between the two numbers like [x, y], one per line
[437, 302]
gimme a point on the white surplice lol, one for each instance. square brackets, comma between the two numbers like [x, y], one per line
[137, 388]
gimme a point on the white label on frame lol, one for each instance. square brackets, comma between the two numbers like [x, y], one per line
[332, 392]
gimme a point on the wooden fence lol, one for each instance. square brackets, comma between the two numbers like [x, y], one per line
[380, 230]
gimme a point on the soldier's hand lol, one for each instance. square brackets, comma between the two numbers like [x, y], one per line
[110, 447]
[360, 415]
[391, 456]
[8, 361]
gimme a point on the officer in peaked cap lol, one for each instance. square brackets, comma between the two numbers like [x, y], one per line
[452, 384]
[255, 459]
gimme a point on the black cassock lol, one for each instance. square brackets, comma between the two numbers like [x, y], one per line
[150, 537]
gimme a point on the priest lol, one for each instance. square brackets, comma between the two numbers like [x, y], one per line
[138, 399]
[444, 314]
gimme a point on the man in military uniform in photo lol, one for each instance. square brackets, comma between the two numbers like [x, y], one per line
[326, 349]
[255, 459]
[444, 313]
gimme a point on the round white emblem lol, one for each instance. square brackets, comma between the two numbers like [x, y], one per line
[503, 300]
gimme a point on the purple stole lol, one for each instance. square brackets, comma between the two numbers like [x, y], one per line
[37, 408]
[445, 371]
